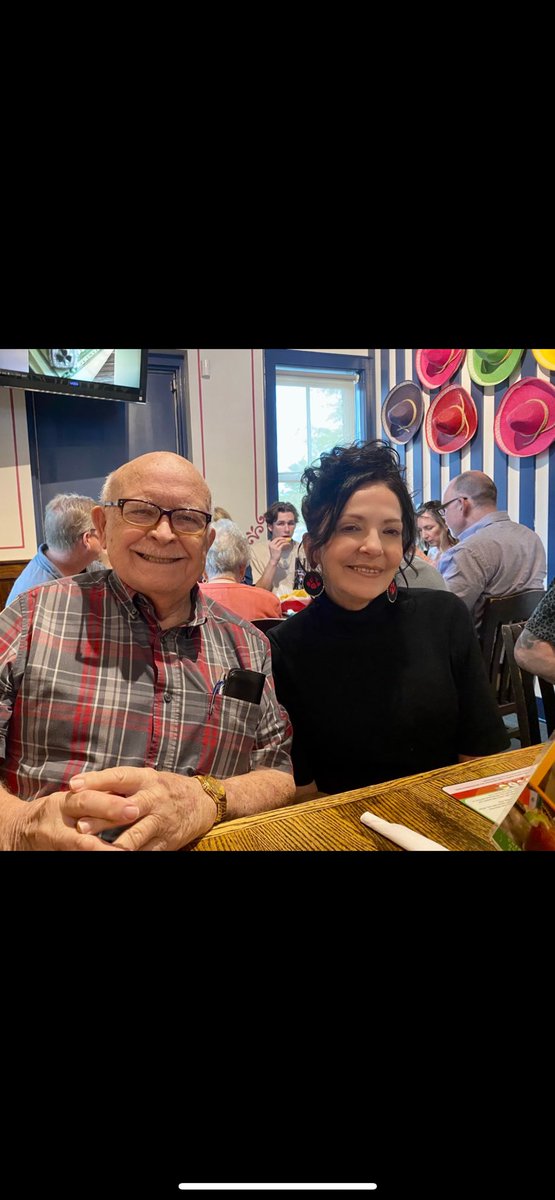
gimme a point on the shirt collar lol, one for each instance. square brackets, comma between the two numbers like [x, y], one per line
[137, 604]
[491, 518]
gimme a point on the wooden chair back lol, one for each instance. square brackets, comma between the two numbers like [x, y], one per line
[523, 692]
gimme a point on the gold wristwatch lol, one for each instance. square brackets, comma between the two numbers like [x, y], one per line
[216, 790]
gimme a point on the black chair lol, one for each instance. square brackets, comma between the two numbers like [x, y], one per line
[521, 683]
[266, 623]
[498, 611]
[503, 610]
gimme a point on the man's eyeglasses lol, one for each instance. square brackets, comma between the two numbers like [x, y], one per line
[185, 522]
[446, 506]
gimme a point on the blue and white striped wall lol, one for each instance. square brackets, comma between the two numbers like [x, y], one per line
[526, 486]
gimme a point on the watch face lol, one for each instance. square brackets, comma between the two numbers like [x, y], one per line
[215, 787]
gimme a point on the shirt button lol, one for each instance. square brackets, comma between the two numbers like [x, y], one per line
[167, 697]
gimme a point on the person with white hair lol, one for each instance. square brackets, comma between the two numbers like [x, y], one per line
[131, 705]
[226, 563]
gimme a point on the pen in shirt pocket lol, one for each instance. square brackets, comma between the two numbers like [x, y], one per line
[218, 687]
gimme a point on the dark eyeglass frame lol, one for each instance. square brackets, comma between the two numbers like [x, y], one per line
[162, 512]
[445, 506]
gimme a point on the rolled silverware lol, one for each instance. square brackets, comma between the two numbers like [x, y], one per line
[400, 834]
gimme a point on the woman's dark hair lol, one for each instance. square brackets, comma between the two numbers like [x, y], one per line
[278, 506]
[341, 472]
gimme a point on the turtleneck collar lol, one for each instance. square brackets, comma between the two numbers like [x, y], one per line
[354, 618]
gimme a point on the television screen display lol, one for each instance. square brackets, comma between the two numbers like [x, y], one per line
[104, 374]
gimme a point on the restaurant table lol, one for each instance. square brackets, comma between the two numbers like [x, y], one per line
[333, 822]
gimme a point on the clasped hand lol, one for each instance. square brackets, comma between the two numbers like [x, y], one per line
[167, 811]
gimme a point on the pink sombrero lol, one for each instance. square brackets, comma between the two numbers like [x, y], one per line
[451, 420]
[436, 367]
[525, 419]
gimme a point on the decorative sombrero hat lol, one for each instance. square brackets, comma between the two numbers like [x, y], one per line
[436, 367]
[402, 411]
[451, 420]
[525, 420]
[492, 366]
[546, 358]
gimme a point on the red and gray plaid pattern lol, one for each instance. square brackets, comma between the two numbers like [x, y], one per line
[89, 680]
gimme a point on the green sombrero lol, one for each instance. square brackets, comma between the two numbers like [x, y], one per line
[492, 366]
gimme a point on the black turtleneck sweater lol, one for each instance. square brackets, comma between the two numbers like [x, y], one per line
[390, 690]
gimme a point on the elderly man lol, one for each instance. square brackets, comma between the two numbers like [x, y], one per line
[535, 648]
[126, 698]
[494, 556]
[71, 544]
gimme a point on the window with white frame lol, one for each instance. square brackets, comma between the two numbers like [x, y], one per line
[315, 410]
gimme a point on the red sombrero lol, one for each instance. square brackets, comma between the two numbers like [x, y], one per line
[451, 420]
[436, 367]
[525, 419]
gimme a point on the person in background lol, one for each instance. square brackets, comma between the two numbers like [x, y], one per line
[225, 567]
[535, 648]
[495, 556]
[115, 709]
[433, 531]
[273, 562]
[379, 681]
[221, 514]
[419, 573]
[71, 545]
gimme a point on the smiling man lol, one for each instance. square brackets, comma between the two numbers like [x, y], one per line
[115, 709]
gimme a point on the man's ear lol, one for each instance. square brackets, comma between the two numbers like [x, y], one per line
[211, 536]
[98, 515]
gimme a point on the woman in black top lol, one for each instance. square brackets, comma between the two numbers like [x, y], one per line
[378, 682]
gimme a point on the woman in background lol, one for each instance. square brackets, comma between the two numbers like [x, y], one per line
[379, 682]
[433, 530]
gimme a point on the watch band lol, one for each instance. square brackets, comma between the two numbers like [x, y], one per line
[216, 790]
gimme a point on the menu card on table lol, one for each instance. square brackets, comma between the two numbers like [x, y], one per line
[519, 804]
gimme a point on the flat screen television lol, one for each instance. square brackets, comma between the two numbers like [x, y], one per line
[104, 374]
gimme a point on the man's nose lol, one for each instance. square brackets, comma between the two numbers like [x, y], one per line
[163, 530]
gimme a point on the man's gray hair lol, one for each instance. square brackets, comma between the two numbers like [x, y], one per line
[479, 488]
[229, 550]
[66, 518]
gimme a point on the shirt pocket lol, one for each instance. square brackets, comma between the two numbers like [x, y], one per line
[230, 736]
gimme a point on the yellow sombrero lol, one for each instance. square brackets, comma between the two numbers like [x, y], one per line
[546, 358]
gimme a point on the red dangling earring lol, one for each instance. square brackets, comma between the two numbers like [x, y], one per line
[392, 592]
[313, 584]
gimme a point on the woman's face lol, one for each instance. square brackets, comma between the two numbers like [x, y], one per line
[360, 559]
[429, 529]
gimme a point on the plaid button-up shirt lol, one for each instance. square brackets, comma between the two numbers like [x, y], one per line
[88, 680]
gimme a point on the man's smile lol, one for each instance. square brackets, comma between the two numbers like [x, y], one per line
[156, 559]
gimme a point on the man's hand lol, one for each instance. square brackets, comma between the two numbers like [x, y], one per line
[276, 546]
[168, 811]
[40, 825]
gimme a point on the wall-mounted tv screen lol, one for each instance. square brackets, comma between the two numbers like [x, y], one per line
[104, 374]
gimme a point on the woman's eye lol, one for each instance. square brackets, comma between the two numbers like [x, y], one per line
[393, 532]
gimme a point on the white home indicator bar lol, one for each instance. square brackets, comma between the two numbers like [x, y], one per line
[278, 1187]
